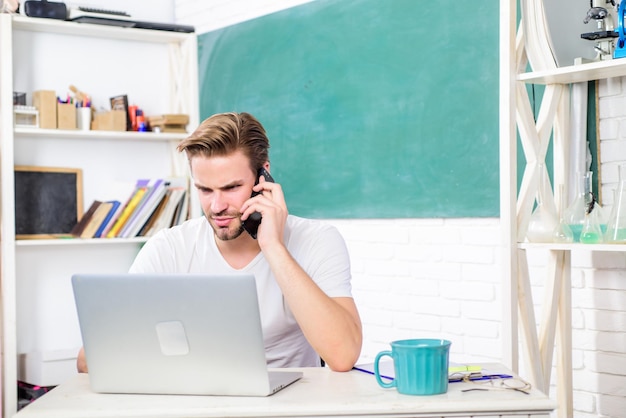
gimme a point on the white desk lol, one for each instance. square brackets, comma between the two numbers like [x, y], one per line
[320, 392]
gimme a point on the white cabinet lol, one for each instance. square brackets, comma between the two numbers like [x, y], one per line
[158, 72]
[554, 331]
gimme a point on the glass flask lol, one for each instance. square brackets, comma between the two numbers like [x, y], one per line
[591, 232]
[585, 211]
[562, 232]
[616, 226]
[542, 222]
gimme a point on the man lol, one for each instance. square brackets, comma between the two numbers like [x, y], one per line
[301, 266]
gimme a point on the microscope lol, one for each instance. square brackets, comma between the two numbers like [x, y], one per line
[604, 14]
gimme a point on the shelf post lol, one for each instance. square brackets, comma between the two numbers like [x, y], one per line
[552, 124]
[508, 181]
[7, 223]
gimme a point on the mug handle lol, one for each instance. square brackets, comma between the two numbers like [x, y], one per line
[377, 371]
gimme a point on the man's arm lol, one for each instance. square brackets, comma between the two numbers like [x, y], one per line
[331, 325]
[81, 361]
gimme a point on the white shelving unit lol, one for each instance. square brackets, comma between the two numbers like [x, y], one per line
[158, 72]
[554, 332]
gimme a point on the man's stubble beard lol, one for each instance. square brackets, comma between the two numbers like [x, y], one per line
[226, 234]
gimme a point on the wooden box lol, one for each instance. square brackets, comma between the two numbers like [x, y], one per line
[114, 120]
[46, 103]
[66, 116]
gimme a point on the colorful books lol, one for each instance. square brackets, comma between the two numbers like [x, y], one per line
[140, 189]
[96, 219]
[119, 191]
[182, 210]
[166, 217]
[149, 205]
[80, 226]
[155, 215]
[115, 205]
[155, 193]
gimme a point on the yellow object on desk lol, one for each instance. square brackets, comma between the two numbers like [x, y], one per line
[459, 368]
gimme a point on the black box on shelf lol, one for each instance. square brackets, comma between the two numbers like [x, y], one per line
[19, 99]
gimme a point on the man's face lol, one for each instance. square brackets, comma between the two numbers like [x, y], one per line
[223, 184]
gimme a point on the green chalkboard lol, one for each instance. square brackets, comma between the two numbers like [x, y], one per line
[374, 109]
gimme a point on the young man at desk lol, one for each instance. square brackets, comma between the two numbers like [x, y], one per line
[302, 266]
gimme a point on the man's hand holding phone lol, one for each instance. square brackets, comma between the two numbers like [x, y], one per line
[270, 205]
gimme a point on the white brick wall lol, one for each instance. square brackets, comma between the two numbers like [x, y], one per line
[598, 330]
[427, 278]
[441, 277]
[602, 290]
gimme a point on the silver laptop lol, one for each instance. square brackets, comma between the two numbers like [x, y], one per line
[174, 334]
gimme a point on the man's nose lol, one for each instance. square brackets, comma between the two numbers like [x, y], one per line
[218, 203]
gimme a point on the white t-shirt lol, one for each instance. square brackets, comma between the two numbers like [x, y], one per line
[317, 247]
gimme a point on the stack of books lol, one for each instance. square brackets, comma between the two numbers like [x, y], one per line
[169, 123]
[152, 205]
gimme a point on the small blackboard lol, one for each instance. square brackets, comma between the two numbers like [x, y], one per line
[48, 201]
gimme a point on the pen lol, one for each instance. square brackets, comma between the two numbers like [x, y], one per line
[452, 378]
[478, 376]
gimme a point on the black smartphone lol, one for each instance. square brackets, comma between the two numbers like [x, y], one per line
[251, 225]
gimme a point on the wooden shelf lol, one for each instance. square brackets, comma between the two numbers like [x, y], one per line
[78, 241]
[577, 73]
[103, 135]
[62, 27]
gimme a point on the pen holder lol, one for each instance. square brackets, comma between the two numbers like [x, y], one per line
[66, 116]
[46, 103]
[83, 118]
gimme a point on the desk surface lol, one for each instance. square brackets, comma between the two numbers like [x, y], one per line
[321, 392]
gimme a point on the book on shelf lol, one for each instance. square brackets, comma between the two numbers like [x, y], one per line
[116, 191]
[80, 226]
[149, 205]
[140, 189]
[97, 219]
[152, 197]
[114, 216]
[165, 218]
[155, 215]
[115, 205]
[182, 210]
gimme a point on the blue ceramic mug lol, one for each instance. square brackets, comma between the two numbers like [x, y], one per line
[420, 365]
